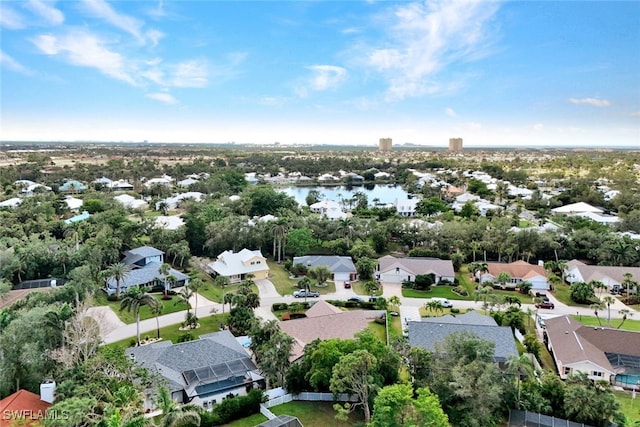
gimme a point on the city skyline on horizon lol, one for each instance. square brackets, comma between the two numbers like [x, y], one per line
[495, 73]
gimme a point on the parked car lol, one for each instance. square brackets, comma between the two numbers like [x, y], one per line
[347, 284]
[545, 304]
[355, 299]
[542, 295]
[541, 322]
[303, 293]
[445, 303]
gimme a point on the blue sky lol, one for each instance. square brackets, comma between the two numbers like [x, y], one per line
[553, 73]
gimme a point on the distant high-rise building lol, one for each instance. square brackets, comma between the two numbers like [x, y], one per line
[385, 144]
[455, 144]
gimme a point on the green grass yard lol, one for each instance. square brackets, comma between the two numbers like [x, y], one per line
[629, 406]
[169, 306]
[171, 333]
[628, 325]
[316, 414]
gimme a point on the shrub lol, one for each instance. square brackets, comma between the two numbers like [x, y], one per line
[445, 282]
[296, 315]
[454, 310]
[278, 306]
[532, 344]
[460, 290]
[233, 408]
[187, 336]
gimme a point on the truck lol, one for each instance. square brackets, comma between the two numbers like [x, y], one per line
[304, 293]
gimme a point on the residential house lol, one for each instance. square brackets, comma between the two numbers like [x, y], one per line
[236, 266]
[78, 218]
[72, 186]
[325, 321]
[170, 222]
[188, 182]
[29, 188]
[174, 202]
[341, 267]
[518, 271]
[202, 372]
[145, 263]
[430, 331]
[12, 203]
[26, 408]
[164, 181]
[330, 209]
[131, 202]
[327, 178]
[406, 207]
[602, 353]
[575, 208]
[120, 185]
[396, 270]
[611, 276]
[73, 203]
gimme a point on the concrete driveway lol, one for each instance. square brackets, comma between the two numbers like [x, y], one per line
[266, 289]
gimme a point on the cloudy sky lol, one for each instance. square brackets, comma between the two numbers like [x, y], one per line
[552, 73]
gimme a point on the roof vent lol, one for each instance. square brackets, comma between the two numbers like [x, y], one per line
[566, 332]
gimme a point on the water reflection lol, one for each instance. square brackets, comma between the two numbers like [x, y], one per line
[377, 194]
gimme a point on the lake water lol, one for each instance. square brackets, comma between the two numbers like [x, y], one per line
[383, 193]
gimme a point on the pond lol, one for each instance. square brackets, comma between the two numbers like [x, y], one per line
[380, 194]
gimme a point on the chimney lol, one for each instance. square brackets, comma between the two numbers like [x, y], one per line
[47, 391]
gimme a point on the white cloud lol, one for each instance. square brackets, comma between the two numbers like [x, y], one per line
[537, 127]
[12, 64]
[101, 9]
[189, 74]
[45, 10]
[154, 37]
[635, 114]
[323, 77]
[274, 101]
[9, 18]
[426, 37]
[594, 102]
[450, 112]
[85, 49]
[163, 97]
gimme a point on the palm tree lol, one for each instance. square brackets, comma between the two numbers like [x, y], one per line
[482, 293]
[520, 366]
[597, 306]
[118, 272]
[321, 273]
[135, 298]
[279, 231]
[164, 270]
[395, 302]
[184, 296]
[195, 284]
[598, 287]
[156, 310]
[608, 300]
[625, 313]
[172, 414]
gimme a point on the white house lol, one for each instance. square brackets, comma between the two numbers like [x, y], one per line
[236, 266]
[120, 185]
[406, 207]
[175, 201]
[396, 270]
[164, 181]
[131, 202]
[328, 208]
[187, 182]
[13, 202]
[611, 276]
[73, 203]
[170, 222]
[575, 208]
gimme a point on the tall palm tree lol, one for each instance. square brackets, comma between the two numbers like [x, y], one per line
[520, 366]
[195, 284]
[184, 296]
[172, 414]
[625, 313]
[118, 272]
[164, 270]
[135, 298]
[608, 300]
[596, 307]
[156, 310]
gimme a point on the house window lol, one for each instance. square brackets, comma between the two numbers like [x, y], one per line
[567, 371]
[397, 270]
[597, 374]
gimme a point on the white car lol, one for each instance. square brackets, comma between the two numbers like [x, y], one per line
[445, 303]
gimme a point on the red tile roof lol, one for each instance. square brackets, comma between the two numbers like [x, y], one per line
[22, 404]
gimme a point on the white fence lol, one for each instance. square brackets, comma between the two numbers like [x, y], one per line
[308, 396]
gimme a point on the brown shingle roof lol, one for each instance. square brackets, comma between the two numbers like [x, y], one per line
[343, 325]
[517, 269]
[322, 308]
[612, 340]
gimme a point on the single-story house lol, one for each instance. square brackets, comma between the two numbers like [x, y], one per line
[164, 181]
[120, 185]
[12, 203]
[611, 276]
[519, 271]
[73, 203]
[72, 186]
[81, 217]
[236, 266]
[131, 202]
[175, 201]
[576, 208]
[433, 330]
[325, 321]
[330, 209]
[187, 182]
[201, 372]
[602, 353]
[396, 270]
[341, 267]
[171, 222]
[145, 263]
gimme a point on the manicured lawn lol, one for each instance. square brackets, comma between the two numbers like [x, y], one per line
[379, 331]
[171, 333]
[359, 289]
[316, 414]
[169, 306]
[250, 421]
[208, 290]
[630, 407]
[628, 325]
[280, 279]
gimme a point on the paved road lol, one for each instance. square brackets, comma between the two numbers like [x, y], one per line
[112, 329]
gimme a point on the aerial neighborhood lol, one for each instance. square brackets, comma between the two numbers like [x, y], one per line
[201, 286]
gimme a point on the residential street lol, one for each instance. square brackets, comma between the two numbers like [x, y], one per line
[113, 330]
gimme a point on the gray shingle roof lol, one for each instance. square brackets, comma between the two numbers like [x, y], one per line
[145, 275]
[469, 318]
[142, 252]
[417, 265]
[427, 334]
[337, 264]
